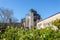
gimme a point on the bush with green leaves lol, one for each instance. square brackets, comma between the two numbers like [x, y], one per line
[30, 34]
[56, 23]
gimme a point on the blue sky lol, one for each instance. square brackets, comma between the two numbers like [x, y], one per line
[20, 8]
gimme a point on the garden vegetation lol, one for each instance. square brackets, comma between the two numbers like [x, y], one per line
[47, 33]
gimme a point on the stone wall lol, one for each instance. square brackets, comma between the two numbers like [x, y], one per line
[48, 20]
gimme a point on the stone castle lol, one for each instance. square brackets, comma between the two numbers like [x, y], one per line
[34, 19]
[31, 19]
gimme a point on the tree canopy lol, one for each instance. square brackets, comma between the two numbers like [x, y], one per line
[6, 15]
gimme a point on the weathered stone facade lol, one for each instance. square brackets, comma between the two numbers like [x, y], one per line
[31, 19]
[45, 22]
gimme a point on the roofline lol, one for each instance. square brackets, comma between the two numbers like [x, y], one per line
[51, 16]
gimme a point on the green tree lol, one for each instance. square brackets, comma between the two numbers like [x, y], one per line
[56, 23]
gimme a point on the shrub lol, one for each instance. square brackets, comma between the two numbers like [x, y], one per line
[31, 34]
[56, 23]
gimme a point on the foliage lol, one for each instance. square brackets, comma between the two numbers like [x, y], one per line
[57, 23]
[6, 15]
[30, 34]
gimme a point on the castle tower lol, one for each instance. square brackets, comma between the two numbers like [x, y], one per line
[32, 18]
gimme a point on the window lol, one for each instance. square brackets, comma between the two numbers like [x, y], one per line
[39, 25]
